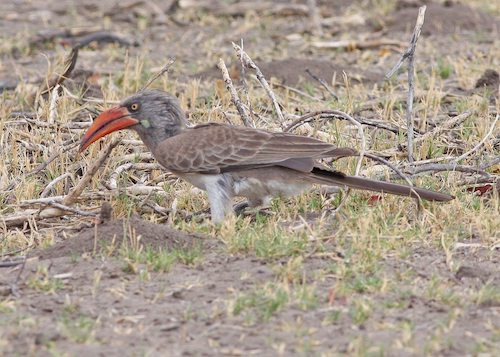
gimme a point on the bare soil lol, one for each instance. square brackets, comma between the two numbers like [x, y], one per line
[185, 311]
[448, 18]
[292, 71]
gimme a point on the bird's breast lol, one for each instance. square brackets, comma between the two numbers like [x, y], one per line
[258, 185]
[201, 181]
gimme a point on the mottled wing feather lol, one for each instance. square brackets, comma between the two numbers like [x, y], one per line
[219, 148]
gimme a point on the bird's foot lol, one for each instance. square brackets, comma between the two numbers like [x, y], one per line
[198, 216]
[239, 208]
[246, 209]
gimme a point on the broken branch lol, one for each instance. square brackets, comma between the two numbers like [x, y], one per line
[410, 55]
[73, 195]
[247, 61]
[234, 94]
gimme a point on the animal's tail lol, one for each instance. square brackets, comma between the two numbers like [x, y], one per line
[339, 179]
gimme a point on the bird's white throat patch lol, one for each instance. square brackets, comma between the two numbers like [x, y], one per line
[145, 123]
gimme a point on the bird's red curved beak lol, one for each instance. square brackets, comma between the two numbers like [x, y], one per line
[111, 120]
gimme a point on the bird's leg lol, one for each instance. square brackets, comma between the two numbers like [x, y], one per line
[220, 199]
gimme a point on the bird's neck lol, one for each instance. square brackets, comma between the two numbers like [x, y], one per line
[152, 138]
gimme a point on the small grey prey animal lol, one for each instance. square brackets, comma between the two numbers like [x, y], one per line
[228, 161]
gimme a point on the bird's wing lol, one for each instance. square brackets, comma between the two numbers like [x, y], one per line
[215, 148]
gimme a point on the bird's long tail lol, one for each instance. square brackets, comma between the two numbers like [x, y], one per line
[336, 178]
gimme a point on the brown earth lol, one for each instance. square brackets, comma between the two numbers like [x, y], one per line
[185, 311]
[292, 71]
[111, 232]
[449, 18]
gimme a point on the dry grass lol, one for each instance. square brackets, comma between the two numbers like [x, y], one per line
[207, 104]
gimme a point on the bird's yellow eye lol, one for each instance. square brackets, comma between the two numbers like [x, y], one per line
[134, 107]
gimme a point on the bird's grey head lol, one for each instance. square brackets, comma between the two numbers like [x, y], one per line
[155, 115]
[159, 114]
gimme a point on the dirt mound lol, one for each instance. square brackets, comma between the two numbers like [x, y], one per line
[292, 71]
[115, 231]
[446, 18]
[489, 78]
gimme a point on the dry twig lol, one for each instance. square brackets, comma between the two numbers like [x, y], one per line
[483, 140]
[391, 166]
[447, 125]
[242, 8]
[112, 183]
[102, 37]
[491, 163]
[444, 167]
[160, 73]
[234, 94]
[247, 61]
[69, 65]
[20, 218]
[352, 44]
[333, 114]
[245, 85]
[79, 37]
[12, 262]
[52, 157]
[52, 183]
[71, 209]
[73, 195]
[53, 104]
[410, 55]
[323, 83]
